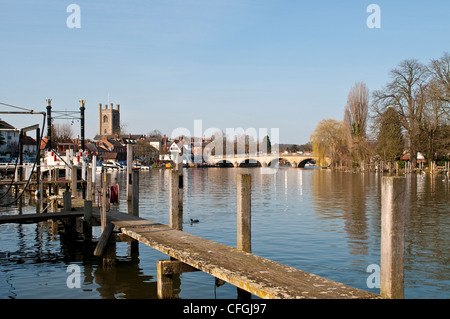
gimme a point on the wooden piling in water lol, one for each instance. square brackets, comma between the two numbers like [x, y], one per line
[135, 193]
[73, 176]
[67, 200]
[103, 202]
[176, 215]
[129, 172]
[90, 188]
[87, 222]
[393, 211]
[244, 242]
[168, 277]
[244, 212]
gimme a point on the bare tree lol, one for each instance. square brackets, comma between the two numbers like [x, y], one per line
[440, 71]
[155, 133]
[62, 133]
[405, 93]
[355, 121]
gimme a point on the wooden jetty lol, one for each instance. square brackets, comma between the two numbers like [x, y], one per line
[238, 266]
[259, 276]
[35, 218]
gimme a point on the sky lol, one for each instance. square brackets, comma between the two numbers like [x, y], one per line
[262, 64]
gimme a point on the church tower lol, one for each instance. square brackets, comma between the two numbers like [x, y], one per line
[108, 119]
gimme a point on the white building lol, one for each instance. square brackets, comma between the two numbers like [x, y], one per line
[10, 136]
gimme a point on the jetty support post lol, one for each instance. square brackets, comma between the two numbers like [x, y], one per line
[89, 187]
[67, 201]
[129, 172]
[87, 221]
[73, 184]
[176, 215]
[179, 168]
[244, 220]
[168, 277]
[244, 212]
[135, 193]
[103, 201]
[393, 211]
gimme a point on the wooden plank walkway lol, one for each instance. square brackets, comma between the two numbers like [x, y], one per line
[259, 276]
[34, 218]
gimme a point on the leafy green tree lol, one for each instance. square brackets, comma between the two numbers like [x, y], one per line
[267, 145]
[390, 137]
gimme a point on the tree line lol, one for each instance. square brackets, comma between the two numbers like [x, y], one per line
[410, 114]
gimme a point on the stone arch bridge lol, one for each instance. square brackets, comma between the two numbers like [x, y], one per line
[265, 160]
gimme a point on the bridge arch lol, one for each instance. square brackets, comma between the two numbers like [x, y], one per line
[249, 162]
[303, 163]
[224, 163]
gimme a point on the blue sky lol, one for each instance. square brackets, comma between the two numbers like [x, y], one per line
[283, 64]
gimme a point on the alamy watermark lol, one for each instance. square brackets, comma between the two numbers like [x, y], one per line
[74, 19]
[373, 280]
[230, 146]
[374, 19]
[74, 279]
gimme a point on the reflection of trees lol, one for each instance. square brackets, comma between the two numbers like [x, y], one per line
[340, 195]
[427, 227]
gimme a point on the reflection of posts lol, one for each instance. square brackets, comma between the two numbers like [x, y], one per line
[393, 208]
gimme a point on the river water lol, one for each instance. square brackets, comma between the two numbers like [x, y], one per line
[320, 221]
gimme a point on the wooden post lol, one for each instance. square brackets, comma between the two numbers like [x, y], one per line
[135, 193]
[180, 189]
[89, 195]
[393, 207]
[176, 216]
[94, 168]
[67, 200]
[129, 172]
[104, 239]
[165, 281]
[244, 220]
[244, 212]
[103, 202]
[88, 211]
[168, 279]
[73, 177]
[87, 223]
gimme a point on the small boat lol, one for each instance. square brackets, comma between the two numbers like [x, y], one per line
[112, 165]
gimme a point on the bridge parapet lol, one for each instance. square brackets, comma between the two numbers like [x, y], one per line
[296, 160]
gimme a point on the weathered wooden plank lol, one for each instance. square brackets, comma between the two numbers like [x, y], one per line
[34, 218]
[257, 275]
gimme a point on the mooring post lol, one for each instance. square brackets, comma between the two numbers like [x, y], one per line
[180, 188]
[129, 172]
[67, 201]
[135, 193]
[176, 216]
[74, 180]
[244, 185]
[393, 211]
[87, 223]
[244, 212]
[103, 202]
[89, 184]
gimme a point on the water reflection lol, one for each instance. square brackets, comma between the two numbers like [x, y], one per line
[322, 221]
